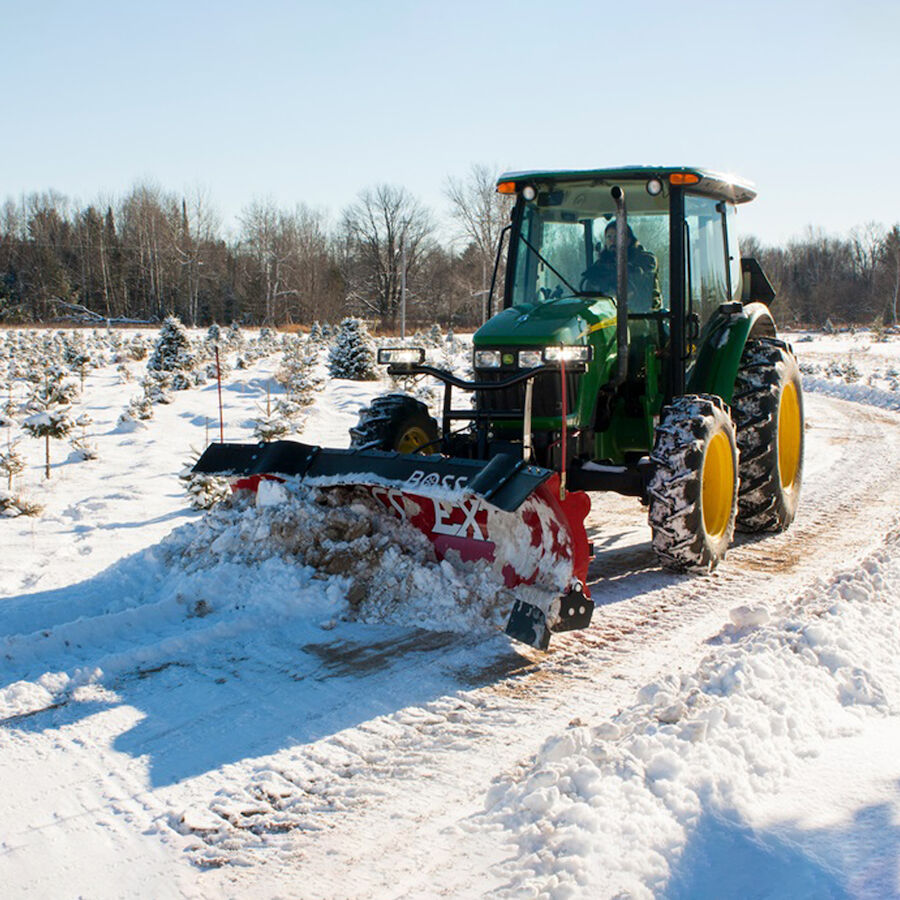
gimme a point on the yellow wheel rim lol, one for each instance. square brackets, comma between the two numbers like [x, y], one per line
[790, 432]
[412, 439]
[717, 485]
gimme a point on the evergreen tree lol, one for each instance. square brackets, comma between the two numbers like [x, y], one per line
[204, 491]
[11, 463]
[352, 356]
[53, 422]
[271, 425]
[173, 351]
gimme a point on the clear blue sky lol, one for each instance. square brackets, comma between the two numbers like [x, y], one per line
[314, 101]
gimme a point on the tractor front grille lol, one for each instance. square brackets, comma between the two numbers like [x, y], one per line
[546, 398]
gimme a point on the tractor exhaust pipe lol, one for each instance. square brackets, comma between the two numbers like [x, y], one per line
[618, 195]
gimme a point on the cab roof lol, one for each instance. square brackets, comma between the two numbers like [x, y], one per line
[716, 184]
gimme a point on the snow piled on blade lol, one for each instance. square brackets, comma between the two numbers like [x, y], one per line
[634, 806]
[301, 556]
[386, 568]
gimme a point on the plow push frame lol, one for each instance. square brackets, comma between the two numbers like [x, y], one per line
[452, 498]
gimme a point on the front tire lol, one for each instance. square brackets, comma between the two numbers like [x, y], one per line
[395, 422]
[694, 488]
[768, 412]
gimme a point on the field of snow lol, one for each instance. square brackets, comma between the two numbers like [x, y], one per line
[187, 712]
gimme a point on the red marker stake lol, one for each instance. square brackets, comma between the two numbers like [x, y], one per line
[219, 383]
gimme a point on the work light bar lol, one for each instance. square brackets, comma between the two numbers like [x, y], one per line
[408, 356]
[579, 353]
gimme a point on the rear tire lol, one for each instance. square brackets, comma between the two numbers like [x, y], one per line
[768, 412]
[694, 488]
[395, 422]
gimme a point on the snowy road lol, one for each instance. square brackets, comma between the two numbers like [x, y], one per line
[258, 754]
[434, 768]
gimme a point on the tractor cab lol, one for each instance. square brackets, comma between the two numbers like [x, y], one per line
[681, 258]
[642, 265]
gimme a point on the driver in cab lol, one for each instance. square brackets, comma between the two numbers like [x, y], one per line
[643, 278]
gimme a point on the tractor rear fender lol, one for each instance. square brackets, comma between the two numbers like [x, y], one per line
[721, 345]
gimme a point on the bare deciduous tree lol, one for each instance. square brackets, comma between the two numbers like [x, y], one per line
[269, 236]
[374, 230]
[192, 242]
[480, 214]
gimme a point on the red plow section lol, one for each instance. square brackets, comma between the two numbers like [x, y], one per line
[502, 513]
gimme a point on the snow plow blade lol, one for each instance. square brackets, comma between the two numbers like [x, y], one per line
[503, 511]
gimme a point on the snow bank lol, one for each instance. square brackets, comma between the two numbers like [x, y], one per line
[607, 809]
[858, 393]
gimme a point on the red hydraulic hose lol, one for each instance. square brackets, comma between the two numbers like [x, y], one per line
[565, 425]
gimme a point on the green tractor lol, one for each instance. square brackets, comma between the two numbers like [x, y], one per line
[634, 352]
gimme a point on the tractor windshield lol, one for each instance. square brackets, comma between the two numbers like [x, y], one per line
[567, 246]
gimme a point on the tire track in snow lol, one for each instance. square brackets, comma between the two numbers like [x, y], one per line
[440, 765]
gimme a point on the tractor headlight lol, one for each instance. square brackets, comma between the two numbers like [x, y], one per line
[487, 359]
[530, 359]
[579, 353]
[403, 355]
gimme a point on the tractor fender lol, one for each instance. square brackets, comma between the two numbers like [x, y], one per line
[721, 345]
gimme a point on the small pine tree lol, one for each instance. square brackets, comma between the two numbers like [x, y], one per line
[80, 362]
[204, 491]
[11, 463]
[297, 372]
[84, 449]
[137, 348]
[52, 389]
[173, 351]
[139, 408]
[351, 356]
[233, 337]
[51, 423]
[270, 426]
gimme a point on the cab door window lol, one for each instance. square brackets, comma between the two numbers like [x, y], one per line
[707, 265]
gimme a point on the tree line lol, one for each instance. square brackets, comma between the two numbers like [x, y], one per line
[821, 278]
[154, 253]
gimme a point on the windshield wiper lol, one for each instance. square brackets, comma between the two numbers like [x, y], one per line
[549, 265]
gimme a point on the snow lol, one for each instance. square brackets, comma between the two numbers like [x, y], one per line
[606, 811]
[192, 705]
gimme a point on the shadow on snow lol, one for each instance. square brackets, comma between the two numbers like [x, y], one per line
[726, 860]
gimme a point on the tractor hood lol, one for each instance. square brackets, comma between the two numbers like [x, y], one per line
[568, 320]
